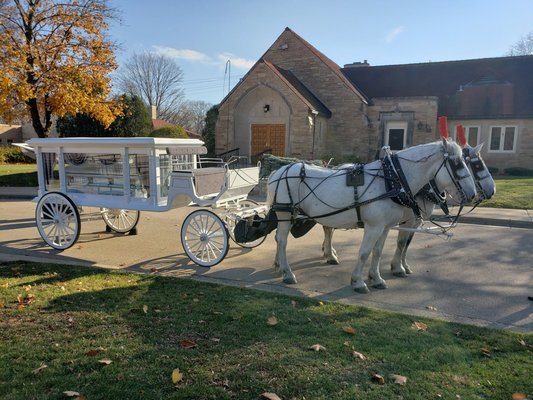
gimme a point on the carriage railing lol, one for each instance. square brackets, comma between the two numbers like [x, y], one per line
[228, 154]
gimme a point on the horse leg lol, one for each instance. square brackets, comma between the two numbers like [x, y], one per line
[374, 276]
[397, 264]
[370, 237]
[280, 262]
[406, 266]
[330, 255]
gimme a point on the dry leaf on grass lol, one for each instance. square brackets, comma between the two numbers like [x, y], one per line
[358, 355]
[270, 396]
[92, 353]
[317, 347]
[349, 329]
[145, 309]
[519, 396]
[398, 379]
[37, 370]
[419, 326]
[71, 393]
[272, 320]
[105, 361]
[176, 376]
[188, 344]
[377, 378]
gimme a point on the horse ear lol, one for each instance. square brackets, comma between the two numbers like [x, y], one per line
[443, 127]
[478, 148]
[461, 137]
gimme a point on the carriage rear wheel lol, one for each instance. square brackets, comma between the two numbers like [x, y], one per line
[231, 222]
[58, 220]
[120, 220]
[204, 238]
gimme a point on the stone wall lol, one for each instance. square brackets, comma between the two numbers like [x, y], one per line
[346, 132]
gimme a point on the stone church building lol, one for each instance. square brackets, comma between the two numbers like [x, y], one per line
[297, 102]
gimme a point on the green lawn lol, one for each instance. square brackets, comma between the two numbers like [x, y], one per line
[18, 175]
[112, 335]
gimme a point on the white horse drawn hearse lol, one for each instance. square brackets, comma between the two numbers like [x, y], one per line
[124, 176]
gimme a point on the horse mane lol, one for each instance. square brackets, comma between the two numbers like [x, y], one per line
[427, 150]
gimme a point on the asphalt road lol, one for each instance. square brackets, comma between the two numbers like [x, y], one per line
[482, 276]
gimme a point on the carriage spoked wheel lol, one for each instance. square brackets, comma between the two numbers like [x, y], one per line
[204, 238]
[58, 220]
[120, 220]
[231, 222]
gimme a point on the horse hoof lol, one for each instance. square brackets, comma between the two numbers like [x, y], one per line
[290, 280]
[360, 289]
[332, 261]
[408, 271]
[381, 285]
[400, 274]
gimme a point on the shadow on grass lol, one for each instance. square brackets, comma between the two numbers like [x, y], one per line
[19, 179]
[220, 338]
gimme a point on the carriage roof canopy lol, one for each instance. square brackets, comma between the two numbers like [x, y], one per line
[83, 144]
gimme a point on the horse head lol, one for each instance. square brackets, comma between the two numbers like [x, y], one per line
[454, 175]
[485, 185]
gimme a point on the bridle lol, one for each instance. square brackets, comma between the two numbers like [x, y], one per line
[478, 166]
[454, 164]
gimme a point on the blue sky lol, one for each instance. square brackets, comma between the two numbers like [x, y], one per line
[202, 35]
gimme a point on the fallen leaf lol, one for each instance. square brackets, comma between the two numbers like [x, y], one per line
[349, 329]
[317, 347]
[215, 339]
[188, 344]
[358, 355]
[377, 378]
[398, 379]
[92, 353]
[145, 309]
[419, 326]
[294, 303]
[177, 376]
[272, 320]
[105, 361]
[321, 303]
[270, 396]
[37, 370]
[71, 393]
[486, 352]
[431, 308]
[2, 305]
[519, 396]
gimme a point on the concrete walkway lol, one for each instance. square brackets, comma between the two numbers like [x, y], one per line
[483, 276]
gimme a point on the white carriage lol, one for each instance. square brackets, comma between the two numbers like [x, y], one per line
[124, 176]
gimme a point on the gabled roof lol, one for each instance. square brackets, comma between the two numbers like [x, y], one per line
[331, 65]
[447, 79]
[298, 88]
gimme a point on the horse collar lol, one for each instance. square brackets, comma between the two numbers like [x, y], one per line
[396, 181]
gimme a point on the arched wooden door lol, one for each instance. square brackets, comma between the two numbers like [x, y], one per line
[268, 136]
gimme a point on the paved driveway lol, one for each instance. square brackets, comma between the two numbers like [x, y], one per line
[482, 276]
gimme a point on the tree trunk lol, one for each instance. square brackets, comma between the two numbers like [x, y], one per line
[35, 118]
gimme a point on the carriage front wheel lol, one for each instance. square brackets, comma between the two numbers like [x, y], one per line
[120, 220]
[204, 238]
[58, 220]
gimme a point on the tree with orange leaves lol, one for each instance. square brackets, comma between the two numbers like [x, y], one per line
[54, 60]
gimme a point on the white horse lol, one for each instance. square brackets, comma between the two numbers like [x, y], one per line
[322, 194]
[486, 188]
[427, 201]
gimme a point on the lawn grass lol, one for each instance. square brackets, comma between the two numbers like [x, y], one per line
[220, 338]
[18, 175]
[512, 192]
